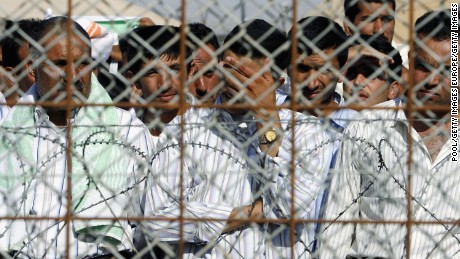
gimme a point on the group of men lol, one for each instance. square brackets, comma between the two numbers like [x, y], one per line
[240, 163]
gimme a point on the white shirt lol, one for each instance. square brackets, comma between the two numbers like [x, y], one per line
[222, 171]
[44, 194]
[4, 109]
[370, 183]
[403, 51]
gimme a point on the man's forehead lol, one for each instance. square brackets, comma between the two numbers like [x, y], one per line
[368, 8]
[366, 61]
[321, 58]
[203, 55]
[433, 52]
[167, 59]
[61, 40]
[243, 59]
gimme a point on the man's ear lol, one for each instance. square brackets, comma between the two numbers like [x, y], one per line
[395, 89]
[136, 85]
[281, 81]
[30, 71]
[346, 28]
[8, 76]
[136, 89]
[129, 74]
[344, 72]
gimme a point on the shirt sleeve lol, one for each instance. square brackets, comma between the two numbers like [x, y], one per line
[166, 211]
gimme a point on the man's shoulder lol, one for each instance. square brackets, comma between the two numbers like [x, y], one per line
[382, 111]
[130, 125]
[374, 122]
[127, 118]
[289, 115]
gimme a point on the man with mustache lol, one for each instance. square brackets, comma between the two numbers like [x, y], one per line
[68, 171]
[388, 163]
[371, 81]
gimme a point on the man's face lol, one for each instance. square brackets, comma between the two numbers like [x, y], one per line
[432, 72]
[375, 18]
[368, 83]
[51, 75]
[204, 75]
[317, 76]
[160, 82]
[230, 94]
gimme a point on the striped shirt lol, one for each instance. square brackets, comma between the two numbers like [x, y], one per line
[223, 169]
[44, 194]
[370, 183]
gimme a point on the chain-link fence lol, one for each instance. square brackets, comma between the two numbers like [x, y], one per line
[229, 129]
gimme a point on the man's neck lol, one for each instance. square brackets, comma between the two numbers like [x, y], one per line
[165, 118]
[321, 112]
[433, 134]
[58, 117]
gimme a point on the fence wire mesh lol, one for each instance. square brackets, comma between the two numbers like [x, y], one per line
[229, 129]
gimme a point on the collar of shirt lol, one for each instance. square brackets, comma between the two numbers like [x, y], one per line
[42, 119]
[340, 118]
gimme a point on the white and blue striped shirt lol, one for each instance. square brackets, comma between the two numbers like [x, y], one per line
[222, 170]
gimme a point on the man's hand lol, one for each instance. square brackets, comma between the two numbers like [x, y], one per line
[252, 76]
[358, 52]
[243, 215]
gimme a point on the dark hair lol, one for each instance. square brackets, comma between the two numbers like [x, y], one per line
[203, 33]
[323, 33]
[351, 7]
[150, 42]
[55, 26]
[259, 39]
[381, 44]
[13, 42]
[435, 25]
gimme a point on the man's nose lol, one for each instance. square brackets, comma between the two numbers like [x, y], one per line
[435, 78]
[70, 73]
[359, 80]
[313, 83]
[200, 84]
[378, 25]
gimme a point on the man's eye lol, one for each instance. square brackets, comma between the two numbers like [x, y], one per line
[83, 63]
[60, 63]
[209, 72]
[351, 74]
[327, 72]
[301, 68]
[387, 18]
[175, 69]
[445, 71]
[151, 72]
[422, 66]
